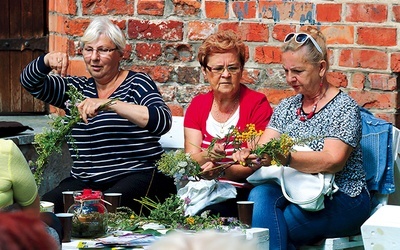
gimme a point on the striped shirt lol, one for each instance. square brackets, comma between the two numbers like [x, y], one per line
[108, 146]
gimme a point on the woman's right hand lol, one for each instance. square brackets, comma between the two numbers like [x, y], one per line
[58, 61]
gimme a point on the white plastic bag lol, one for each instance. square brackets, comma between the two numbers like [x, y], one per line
[204, 193]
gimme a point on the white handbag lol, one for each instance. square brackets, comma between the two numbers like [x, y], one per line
[306, 190]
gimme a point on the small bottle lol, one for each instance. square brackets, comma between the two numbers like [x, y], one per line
[90, 214]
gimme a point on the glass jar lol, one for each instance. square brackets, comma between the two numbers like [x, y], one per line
[90, 215]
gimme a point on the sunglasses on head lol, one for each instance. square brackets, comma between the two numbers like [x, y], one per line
[301, 38]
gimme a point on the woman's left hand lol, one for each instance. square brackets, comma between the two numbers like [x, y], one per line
[211, 171]
[90, 107]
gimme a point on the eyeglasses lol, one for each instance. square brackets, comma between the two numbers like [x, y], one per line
[301, 38]
[221, 69]
[100, 51]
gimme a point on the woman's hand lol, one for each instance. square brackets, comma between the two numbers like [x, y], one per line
[58, 61]
[245, 158]
[90, 107]
[211, 171]
[217, 153]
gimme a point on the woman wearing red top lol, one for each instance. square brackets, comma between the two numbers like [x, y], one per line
[229, 103]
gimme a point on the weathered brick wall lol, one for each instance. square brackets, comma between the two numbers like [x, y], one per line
[163, 36]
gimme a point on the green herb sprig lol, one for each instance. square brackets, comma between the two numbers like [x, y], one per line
[51, 140]
[179, 165]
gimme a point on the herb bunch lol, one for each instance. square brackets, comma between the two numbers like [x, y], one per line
[249, 136]
[179, 165]
[171, 213]
[278, 147]
[51, 140]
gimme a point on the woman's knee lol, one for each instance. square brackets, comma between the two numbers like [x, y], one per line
[263, 191]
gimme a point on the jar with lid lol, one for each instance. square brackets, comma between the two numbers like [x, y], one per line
[90, 215]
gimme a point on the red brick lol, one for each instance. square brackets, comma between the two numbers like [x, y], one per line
[151, 7]
[110, 7]
[382, 81]
[361, 12]
[216, 10]
[128, 52]
[249, 32]
[395, 62]
[358, 80]
[200, 30]
[337, 79]
[244, 9]
[67, 7]
[279, 31]
[267, 54]
[60, 43]
[363, 59]
[76, 26]
[377, 36]
[285, 10]
[148, 51]
[396, 13]
[165, 30]
[374, 99]
[387, 117]
[338, 34]
[77, 68]
[275, 96]
[330, 12]
[159, 74]
[186, 7]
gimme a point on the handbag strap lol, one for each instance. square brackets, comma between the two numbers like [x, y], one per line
[301, 202]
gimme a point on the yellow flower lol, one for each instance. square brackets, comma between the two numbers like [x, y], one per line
[132, 216]
[190, 220]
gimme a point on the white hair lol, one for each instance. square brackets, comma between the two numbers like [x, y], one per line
[103, 25]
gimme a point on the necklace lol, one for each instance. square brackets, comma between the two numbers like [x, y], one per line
[222, 126]
[304, 117]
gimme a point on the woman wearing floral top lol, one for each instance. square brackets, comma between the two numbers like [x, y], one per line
[320, 111]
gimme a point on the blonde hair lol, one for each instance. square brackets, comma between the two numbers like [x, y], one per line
[314, 56]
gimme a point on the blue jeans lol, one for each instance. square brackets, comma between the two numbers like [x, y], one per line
[291, 227]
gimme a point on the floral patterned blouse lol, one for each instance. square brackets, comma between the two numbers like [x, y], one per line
[339, 119]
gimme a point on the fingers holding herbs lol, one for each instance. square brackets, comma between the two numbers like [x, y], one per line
[90, 107]
[58, 61]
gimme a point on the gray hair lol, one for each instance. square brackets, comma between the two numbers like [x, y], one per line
[103, 25]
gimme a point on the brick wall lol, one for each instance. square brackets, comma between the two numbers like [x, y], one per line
[163, 37]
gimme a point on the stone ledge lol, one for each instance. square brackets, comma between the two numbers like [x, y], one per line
[38, 123]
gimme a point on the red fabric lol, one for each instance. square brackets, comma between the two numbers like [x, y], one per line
[254, 108]
[23, 230]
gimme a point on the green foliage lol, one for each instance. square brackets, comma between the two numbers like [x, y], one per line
[179, 165]
[171, 213]
[51, 140]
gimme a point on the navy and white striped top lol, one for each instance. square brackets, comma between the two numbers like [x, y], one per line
[109, 146]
